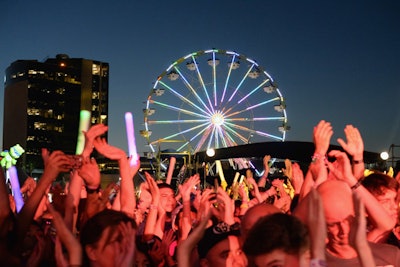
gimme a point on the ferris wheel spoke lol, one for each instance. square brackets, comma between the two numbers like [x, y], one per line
[211, 138]
[181, 97]
[235, 133]
[182, 132]
[151, 122]
[253, 91]
[214, 78]
[269, 135]
[260, 133]
[193, 137]
[202, 82]
[241, 82]
[227, 114]
[228, 77]
[191, 89]
[256, 119]
[179, 109]
[203, 139]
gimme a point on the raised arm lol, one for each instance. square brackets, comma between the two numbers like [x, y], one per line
[380, 219]
[127, 172]
[322, 134]
[54, 163]
[5, 211]
[263, 179]
[355, 148]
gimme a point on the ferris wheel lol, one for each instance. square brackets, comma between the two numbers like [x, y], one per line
[213, 99]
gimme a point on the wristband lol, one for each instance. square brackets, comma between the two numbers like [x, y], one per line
[91, 191]
[316, 157]
[358, 161]
[356, 185]
[317, 263]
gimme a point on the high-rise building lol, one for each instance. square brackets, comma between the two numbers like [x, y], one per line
[43, 100]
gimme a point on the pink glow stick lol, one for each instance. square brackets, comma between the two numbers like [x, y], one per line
[130, 133]
[12, 173]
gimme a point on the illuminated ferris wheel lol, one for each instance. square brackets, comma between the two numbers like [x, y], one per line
[213, 99]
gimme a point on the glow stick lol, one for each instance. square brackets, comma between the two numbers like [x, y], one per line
[12, 173]
[171, 168]
[130, 133]
[241, 179]
[236, 178]
[219, 170]
[84, 123]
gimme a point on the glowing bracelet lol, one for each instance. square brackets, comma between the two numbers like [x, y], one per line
[130, 133]
[12, 173]
[84, 123]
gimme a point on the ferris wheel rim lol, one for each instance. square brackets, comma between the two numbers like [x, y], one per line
[203, 109]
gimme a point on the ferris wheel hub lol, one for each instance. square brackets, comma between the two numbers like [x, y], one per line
[217, 119]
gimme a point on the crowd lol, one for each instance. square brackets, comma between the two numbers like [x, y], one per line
[334, 214]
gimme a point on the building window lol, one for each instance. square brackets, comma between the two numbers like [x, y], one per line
[39, 125]
[95, 69]
[33, 111]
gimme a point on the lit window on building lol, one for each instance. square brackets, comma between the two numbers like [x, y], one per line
[95, 108]
[32, 72]
[60, 91]
[30, 138]
[60, 117]
[95, 69]
[95, 95]
[20, 74]
[39, 125]
[33, 111]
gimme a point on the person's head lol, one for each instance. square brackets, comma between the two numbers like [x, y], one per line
[167, 197]
[278, 239]
[102, 237]
[337, 201]
[142, 258]
[220, 246]
[384, 188]
[144, 201]
[253, 214]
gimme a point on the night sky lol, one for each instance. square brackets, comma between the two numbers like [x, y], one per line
[333, 60]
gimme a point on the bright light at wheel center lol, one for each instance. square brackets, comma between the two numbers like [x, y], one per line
[217, 119]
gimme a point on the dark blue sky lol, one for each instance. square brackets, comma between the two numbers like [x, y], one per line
[333, 60]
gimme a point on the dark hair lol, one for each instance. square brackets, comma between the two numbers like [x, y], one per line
[165, 185]
[377, 182]
[94, 227]
[277, 231]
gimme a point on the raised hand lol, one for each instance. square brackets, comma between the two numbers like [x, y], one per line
[186, 188]
[90, 173]
[355, 144]
[322, 136]
[107, 150]
[28, 187]
[93, 132]
[341, 168]
[55, 162]
[297, 177]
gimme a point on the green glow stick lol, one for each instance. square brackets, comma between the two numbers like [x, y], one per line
[84, 123]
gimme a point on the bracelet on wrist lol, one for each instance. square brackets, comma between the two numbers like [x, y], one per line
[357, 161]
[316, 156]
[317, 263]
[93, 190]
[356, 185]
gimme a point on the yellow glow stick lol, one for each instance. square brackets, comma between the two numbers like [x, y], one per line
[84, 123]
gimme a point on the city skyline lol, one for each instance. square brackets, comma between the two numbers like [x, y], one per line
[334, 61]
